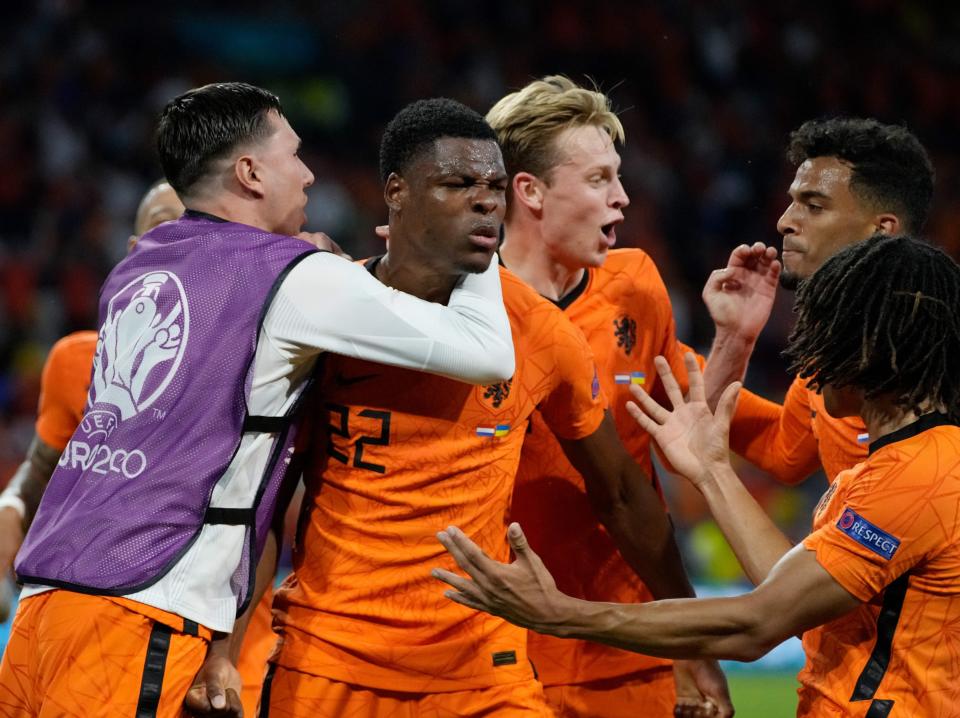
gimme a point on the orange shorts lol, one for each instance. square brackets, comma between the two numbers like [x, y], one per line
[71, 654]
[291, 694]
[256, 648]
[651, 694]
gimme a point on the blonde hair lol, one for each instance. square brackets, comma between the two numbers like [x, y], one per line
[528, 121]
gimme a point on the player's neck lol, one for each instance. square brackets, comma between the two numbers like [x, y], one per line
[524, 253]
[411, 273]
[882, 416]
[230, 210]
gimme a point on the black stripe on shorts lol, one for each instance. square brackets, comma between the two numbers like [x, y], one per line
[153, 668]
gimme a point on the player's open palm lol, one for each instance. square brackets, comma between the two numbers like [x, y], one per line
[522, 592]
[692, 438]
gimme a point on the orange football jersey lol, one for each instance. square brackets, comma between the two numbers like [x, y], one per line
[888, 531]
[625, 313]
[63, 387]
[794, 440]
[405, 455]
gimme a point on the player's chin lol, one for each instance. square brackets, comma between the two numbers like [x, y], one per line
[476, 261]
[595, 258]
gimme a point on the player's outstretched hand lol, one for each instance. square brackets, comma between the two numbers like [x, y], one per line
[522, 592]
[701, 690]
[215, 690]
[323, 242]
[740, 296]
[692, 438]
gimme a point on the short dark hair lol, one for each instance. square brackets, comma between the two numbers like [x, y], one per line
[415, 128]
[891, 169]
[883, 316]
[206, 124]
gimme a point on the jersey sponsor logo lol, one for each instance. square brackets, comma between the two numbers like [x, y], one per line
[866, 534]
[141, 344]
[498, 393]
[625, 330]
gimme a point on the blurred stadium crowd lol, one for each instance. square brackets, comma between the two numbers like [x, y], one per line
[708, 93]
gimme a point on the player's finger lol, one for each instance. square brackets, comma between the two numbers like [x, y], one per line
[467, 601]
[740, 254]
[463, 585]
[468, 555]
[196, 701]
[234, 704]
[643, 421]
[728, 403]
[669, 381]
[521, 548]
[694, 378]
[651, 407]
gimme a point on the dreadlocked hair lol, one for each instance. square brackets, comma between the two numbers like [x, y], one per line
[882, 316]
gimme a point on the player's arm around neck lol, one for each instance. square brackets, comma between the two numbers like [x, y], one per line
[329, 304]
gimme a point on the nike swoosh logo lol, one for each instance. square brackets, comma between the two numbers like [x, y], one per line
[340, 380]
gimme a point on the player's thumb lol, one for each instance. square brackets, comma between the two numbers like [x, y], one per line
[216, 692]
[728, 403]
[518, 542]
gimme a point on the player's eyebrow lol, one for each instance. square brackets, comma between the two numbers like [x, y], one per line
[809, 194]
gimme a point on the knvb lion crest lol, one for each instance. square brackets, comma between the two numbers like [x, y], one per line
[139, 349]
[498, 392]
[625, 330]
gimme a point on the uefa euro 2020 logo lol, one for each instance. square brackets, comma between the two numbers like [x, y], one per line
[139, 349]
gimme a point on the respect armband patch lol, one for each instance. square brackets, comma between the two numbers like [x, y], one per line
[866, 534]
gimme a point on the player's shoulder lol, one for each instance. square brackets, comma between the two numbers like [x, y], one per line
[520, 296]
[532, 314]
[632, 269]
[75, 345]
[630, 260]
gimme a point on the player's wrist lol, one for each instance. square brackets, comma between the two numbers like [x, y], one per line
[11, 499]
[734, 335]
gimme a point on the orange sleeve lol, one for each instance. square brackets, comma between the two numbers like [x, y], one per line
[63, 389]
[575, 407]
[778, 439]
[886, 521]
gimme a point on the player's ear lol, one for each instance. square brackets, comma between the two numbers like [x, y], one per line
[528, 191]
[395, 192]
[887, 223]
[247, 171]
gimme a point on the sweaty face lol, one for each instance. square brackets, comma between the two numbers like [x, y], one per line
[823, 217]
[455, 202]
[284, 177]
[583, 198]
